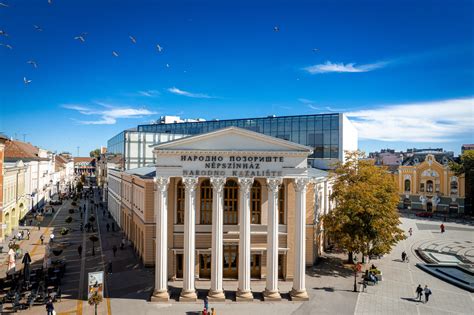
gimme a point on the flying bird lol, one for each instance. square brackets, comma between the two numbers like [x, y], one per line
[3, 33]
[160, 49]
[50, 1]
[315, 49]
[38, 28]
[132, 39]
[276, 28]
[26, 81]
[33, 63]
[115, 53]
[4, 5]
[167, 65]
[81, 37]
[7, 45]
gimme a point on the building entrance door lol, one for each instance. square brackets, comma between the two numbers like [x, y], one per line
[205, 266]
[231, 261]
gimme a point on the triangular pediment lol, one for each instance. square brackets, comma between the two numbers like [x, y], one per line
[233, 139]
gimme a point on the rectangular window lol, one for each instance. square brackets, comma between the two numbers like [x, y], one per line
[422, 187]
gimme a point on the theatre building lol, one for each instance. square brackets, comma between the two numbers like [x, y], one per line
[231, 204]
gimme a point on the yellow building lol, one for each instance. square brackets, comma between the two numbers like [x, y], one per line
[14, 205]
[426, 182]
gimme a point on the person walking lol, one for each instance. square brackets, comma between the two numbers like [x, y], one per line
[42, 239]
[122, 245]
[114, 249]
[419, 292]
[427, 293]
[410, 231]
[206, 304]
[113, 227]
[442, 227]
[404, 256]
[51, 238]
[28, 234]
[50, 306]
[79, 250]
[107, 227]
[38, 224]
[109, 267]
[213, 311]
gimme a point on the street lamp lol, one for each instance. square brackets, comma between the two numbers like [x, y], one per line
[357, 266]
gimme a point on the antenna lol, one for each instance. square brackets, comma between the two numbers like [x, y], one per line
[24, 136]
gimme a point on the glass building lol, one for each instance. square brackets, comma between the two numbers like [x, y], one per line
[328, 134]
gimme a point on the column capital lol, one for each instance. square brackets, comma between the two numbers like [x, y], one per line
[245, 183]
[190, 182]
[218, 183]
[301, 183]
[162, 183]
[274, 183]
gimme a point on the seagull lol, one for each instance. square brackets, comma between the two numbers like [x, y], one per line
[50, 1]
[33, 63]
[26, 81]
[7, 45]
[115, 53]
[315, 49]
[167, 65]
[2, 32]
[132, 39]
[160, 49]
[4, 5]
[276, 28]
[81, 37]
[38, 28]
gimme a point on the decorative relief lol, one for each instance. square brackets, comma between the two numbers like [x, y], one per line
[274, 184]
[301, 183]
[245, 183]
[218, 183]
[162, 183]
[190, 182]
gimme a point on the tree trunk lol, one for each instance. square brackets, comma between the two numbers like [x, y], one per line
[350, 258]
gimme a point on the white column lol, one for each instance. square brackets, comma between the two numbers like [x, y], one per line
[298, 292]
[189, 293]
[244, 292]
[217, 293]
[161, 256]
[271, 290]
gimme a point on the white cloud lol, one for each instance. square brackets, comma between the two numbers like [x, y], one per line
[109, 115]
[149, 93]
[177, 91]
[437, 121]
[328, 66]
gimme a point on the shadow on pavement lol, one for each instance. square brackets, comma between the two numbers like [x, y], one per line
[330, 265]
[411, 300]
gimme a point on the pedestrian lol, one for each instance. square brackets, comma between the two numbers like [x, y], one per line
[419, 292]
[31, 222]
[82, 227]
[38, 224]
[442, 227]
[107, 227]
[42, 239]
[122, 245]
[79, 250]
[114, 249]
[410, 231]
[113, 227]
[51, 238]
[103, 213]
[427, 293]
[81, 214]
[28, 234]
[50, 307]
[109, 267]
[404, 256]
[206, 304]
[204, 311]
[213, 311]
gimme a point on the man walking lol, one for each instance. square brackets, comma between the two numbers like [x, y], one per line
[114, 249]
[427, 293]
[109, 267]
[79, 250]
[42, 239]
[404, 256]
[50, 307]
[107, 227]
[419, 292]
[442, 227]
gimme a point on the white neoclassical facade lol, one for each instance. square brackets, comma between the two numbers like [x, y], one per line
[233, 203]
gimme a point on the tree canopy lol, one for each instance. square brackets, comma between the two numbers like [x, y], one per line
[466, 167]
[95, 153]
[365, 218]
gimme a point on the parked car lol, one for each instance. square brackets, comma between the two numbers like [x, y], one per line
[55, 202]
[425, 214]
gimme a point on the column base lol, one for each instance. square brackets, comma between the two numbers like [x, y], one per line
[244, 296]
[188, 296]
[299, 295]
[160, 296]
[271, 295]
[216, 296]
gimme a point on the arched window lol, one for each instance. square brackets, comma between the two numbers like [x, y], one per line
[454, 186]
[206, 202]
[429, 186]
[180, 203]
[231, 205]
[281, 205]
[255, 203]
[407, 185]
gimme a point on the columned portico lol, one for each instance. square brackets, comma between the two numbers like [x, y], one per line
[298, 292]
[189, 293]
[271, 289]
[161, 214]
[216, 293]
[244, 293]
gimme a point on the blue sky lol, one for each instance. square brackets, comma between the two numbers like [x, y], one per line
[402, 70]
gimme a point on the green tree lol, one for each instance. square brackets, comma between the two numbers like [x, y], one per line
[365, 218]
[466, 167]
[95, 153]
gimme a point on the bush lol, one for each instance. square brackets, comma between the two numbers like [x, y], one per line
[69, 219]
[71, 211]
[64, 231]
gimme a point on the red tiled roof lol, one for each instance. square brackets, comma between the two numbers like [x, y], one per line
[21, 150]
[83, 159]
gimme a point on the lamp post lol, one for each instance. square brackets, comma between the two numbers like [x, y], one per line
[357, 266]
